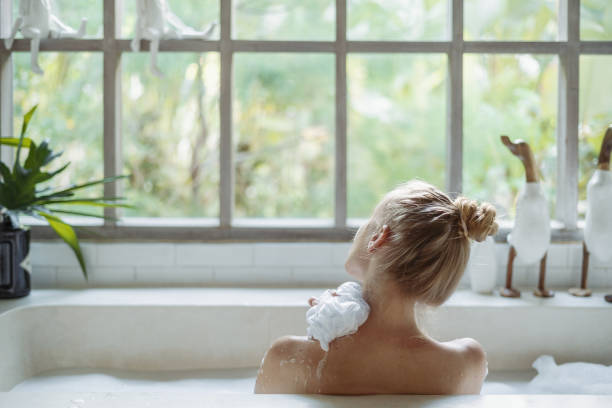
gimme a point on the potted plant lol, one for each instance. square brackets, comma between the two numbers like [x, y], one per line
[19, 194]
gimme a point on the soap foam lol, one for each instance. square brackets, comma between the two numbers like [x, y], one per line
[337, 315]
[570, 378]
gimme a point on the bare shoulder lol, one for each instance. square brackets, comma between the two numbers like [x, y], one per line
[287, 366]
[471, 364]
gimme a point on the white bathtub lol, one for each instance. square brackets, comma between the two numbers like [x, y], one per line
[101, 347]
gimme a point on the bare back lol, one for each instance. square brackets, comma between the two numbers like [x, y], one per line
[371, 362]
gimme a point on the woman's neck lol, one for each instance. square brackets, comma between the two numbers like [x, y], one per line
[389, 308]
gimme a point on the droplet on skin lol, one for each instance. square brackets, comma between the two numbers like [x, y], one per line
[321, 366]
[262, 360]
[307, 377]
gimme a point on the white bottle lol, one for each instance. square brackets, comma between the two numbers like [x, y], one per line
[598, 227]
[482, 266]
[530, 235]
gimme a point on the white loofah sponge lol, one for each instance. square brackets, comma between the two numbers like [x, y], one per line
[337, 315]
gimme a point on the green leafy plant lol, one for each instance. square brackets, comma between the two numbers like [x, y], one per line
[19, 193]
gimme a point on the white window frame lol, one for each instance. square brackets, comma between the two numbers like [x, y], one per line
[568, 48]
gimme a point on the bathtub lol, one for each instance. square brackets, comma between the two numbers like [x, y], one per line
[202, 346]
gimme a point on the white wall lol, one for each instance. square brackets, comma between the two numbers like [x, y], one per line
[256, 264]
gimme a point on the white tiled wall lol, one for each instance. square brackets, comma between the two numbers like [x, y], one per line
[257, 264]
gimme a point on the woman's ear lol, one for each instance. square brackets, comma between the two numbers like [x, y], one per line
[378, 239]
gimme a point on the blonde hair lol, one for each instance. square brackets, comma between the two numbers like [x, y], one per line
[429, 238]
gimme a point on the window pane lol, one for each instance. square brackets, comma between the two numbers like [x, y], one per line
[514, 95]
[596, 20]
[595, 116]
[396, 127]
[284, 135]
[517, 20]
[285, 19]
[71, 13]
[171, 135]
[197, 14]
[69, 114]
[398, 20]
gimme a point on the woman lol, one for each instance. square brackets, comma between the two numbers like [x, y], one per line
[412, 250]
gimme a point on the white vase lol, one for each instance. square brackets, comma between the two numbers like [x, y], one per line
[530, 235]
[598, 226]
[482, 266]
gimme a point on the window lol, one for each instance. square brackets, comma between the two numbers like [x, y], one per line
[594, 117]
[170, 132]
[396, 124]
[294, 118]
[513, 94]
[283, 110]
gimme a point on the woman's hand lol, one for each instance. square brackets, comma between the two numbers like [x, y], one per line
[313, 301]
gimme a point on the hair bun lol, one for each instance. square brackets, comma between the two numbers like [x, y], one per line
[476, 220]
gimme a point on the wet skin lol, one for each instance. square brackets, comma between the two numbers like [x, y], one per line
[387, 355]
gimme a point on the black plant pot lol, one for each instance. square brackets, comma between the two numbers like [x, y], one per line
[14, 261]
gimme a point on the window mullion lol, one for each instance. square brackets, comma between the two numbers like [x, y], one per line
[454, 117]
[6, 82]
[340, 211]
[112, 104]
[567, 123]
[226, 184]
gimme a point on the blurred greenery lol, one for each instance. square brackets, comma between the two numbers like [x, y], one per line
[171, 135]
[517, 20]
[595, 116]
[69, 98]
[596, 20]
[396, 124]
[284, 20]
[284, 127]
[284, 107]
[515, 95]
[395, 20]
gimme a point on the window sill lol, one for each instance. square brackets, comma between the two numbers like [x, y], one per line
[254, 230]
[281, 298]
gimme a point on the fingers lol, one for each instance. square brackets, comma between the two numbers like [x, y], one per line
[313, 301]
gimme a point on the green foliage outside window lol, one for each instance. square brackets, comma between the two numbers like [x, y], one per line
[284, 109]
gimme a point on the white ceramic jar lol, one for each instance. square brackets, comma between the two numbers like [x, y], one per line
[482, 266]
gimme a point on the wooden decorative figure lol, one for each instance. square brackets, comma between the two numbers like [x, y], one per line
[155, 21]
[37, 20]
[530, 235]
[598, 226]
